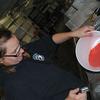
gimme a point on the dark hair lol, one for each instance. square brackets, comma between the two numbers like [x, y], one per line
[5, 35]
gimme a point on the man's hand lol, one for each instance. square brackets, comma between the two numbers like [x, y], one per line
[83, 31]
[74, 95]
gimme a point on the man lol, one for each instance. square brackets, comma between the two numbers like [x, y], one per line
[29, 79]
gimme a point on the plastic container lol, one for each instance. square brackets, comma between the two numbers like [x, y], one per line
[88, 52]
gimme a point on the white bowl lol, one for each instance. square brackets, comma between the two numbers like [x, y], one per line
[83, 48]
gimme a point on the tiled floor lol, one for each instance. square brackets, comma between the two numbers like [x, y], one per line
[94, 79]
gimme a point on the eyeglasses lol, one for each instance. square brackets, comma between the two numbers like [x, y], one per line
[16, 54]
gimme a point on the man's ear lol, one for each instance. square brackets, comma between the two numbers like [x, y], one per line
[1, 60]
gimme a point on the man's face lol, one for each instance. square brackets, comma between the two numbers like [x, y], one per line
[14, 52]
